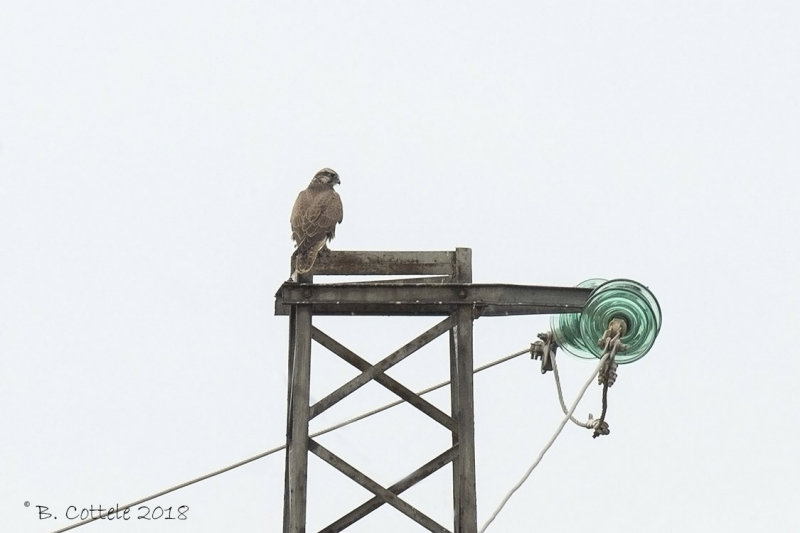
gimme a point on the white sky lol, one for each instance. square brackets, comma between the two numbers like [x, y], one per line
[150, 153]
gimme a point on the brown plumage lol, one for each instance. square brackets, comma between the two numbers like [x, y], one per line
[315, 214]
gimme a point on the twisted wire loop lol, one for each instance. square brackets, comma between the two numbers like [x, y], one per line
[606, 373]
[544, 349]
[611, 343]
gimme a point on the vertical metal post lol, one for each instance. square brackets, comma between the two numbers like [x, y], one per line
[462, 405]
[463, 266]
[296, 476]
[292, 325]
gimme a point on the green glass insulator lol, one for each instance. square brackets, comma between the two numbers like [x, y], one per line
[579, 333]
[626, 299]
[567, 331]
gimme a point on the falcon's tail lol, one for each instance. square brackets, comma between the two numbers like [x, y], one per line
[305, 260]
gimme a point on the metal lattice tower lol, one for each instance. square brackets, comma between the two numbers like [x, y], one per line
[446, 290]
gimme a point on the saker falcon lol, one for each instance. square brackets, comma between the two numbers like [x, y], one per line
[315, 214]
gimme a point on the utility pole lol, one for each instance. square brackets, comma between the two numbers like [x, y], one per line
[446, 289]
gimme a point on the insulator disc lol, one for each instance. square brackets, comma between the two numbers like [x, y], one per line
[626, 299]
[567, 330]
[578, 333]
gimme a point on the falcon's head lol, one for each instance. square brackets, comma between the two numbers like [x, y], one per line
[326, 176]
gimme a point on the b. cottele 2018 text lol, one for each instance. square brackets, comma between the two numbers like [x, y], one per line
[114, 512]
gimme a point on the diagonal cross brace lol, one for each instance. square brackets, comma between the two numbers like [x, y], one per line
[374, 487]
[382, 366]
[409, 481]
[393, 385]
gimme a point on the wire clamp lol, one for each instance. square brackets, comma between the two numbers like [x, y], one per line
[545, 350]
[600, 428]
[608, 373]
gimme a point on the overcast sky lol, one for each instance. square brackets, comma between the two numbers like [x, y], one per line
[150, 153]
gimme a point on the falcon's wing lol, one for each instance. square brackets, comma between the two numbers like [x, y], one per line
[315, 215]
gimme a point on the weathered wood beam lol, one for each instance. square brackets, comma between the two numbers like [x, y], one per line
[393, 385]
[365, 263]
[375, 488]
[430, 280]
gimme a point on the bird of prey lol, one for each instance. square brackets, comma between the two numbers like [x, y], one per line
[315, 214]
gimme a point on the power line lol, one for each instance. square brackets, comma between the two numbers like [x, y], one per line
[173, 489]
[567, 417]
[283, 446]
